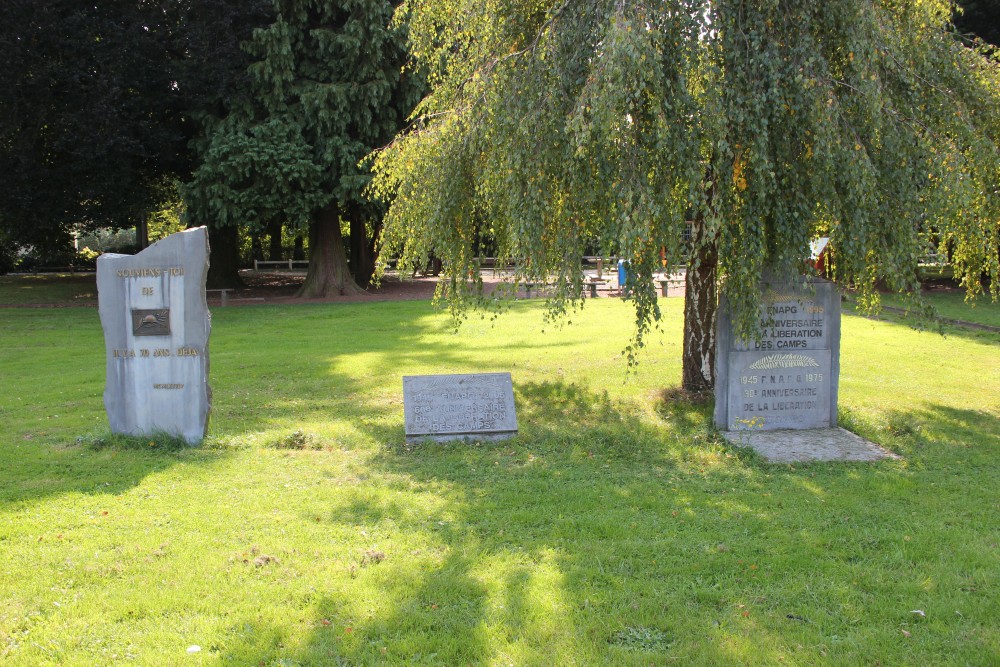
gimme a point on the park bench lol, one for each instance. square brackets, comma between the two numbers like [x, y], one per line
[223, 295]
[666, 283]
[592, 284]
[537, 286]
[224, 298]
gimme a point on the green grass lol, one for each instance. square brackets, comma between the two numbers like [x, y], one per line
[51, 288]
[615, 529]
[951, 305]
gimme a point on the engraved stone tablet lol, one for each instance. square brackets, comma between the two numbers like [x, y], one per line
[156, 327]
[787, 380]
[455, 407]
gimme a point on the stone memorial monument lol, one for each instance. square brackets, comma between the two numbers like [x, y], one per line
[459, 407]
[156, 326]
[788, 379]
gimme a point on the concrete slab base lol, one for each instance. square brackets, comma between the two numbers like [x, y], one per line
[800, 446]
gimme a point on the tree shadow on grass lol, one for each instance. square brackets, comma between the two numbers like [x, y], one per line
[319, 368]
[31, 473]
[961, 427]
[562, 546]
[591, 538]
[941, 328]
[921, 432]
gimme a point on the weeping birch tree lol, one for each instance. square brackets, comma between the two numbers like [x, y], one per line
[762, 124]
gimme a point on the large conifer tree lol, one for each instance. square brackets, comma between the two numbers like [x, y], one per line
[326, 88]
[766, 122]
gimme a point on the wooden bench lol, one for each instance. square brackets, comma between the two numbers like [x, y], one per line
[537, 286]
[592, 283]
[224, 298]
[223, 294]
[666, 283]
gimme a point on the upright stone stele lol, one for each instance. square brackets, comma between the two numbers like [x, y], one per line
[156, 328]
[789, 378]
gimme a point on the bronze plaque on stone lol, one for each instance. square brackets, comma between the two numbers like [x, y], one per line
[154, 322]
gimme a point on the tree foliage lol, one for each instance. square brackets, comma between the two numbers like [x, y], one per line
[767, 122]
[325, 87]
[980, 18]
[79, 135]
[98, 102]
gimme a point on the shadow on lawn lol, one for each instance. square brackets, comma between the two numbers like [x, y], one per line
[961, 427]
[546, 547]
[33, 473]
[596, 537]
[277, 373]
[941, 329]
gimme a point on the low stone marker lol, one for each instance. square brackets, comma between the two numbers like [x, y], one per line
[459, 407]
[788, 380]
[156, 327]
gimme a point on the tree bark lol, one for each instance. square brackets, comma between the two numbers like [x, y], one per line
[299, 251]
[256, 247]
[224, 258]
[274, 232]
[701, 303]
[142, 232]
[362, 259]
[328, 273]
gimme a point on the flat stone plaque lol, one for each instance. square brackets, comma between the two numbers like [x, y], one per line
[456, 407]
[805, 445]
[788, 379]
[156, 327]
[155, 322]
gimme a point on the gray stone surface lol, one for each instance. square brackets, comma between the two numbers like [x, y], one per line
[455, 407]
[796, 446]
[788, 379]
[156, 328]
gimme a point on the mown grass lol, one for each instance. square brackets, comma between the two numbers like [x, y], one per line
[617, 528]
[952, 305]
[58, 289]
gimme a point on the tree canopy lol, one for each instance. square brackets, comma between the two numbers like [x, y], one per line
[98, 102]
[325, 87]
[980, 18]
[767, 123]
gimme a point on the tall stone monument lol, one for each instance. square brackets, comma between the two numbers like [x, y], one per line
[156, 328]
[789, 378]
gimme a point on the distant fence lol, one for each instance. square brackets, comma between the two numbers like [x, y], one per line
[587, 260]
[593, 261]
[55, 269]
[280, 263]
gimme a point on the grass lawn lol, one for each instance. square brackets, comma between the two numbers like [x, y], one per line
[951, 304]
[617, 528]
[54, 288]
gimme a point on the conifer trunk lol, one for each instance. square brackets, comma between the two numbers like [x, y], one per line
[224, 258]
[328, 273]
[701, 305]
[274, 232]
[362, 260]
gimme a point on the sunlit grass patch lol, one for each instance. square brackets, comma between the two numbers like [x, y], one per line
[616, 528]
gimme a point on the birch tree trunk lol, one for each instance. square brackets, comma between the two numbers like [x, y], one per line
[701, 305]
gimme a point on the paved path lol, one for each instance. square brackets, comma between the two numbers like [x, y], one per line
[825, 444]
